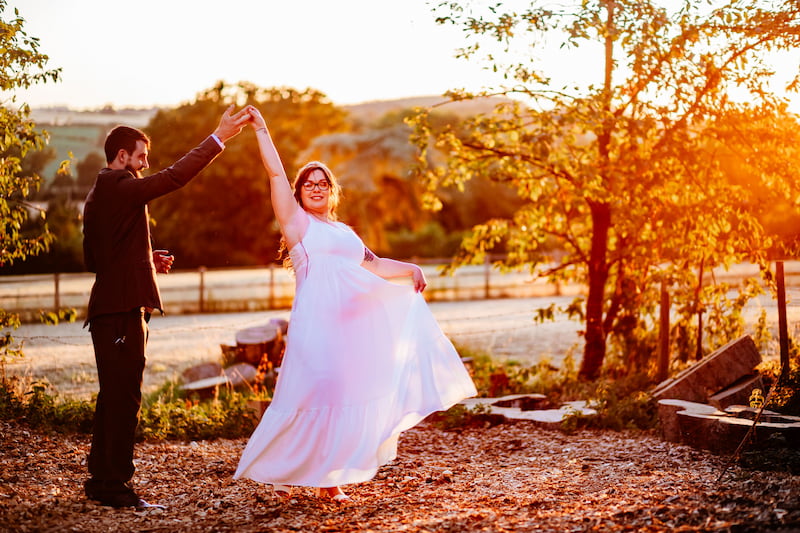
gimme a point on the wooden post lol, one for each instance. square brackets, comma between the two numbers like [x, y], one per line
[57, 296]
[486, 270]
[663, 334]
[202, 299]
[783, 330]
[699, 350]
[271, 286]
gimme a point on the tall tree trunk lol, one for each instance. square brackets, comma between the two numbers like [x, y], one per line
[594, 350]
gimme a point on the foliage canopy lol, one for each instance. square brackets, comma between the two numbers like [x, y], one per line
[653, 172]
[223, 217]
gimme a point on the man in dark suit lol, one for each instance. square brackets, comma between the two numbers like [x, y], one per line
[117, 249]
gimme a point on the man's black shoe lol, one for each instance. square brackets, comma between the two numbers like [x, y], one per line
[111, 493]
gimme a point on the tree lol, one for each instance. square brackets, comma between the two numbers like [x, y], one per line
[223, 217]
[375, 164]
[87, 169]
[623, 173]
[22, 65]
[374, 167]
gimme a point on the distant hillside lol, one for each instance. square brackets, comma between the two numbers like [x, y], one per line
[64, 116]
[81, 132]
[369, 111]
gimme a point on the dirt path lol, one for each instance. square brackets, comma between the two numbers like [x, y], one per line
[511, 477]
[63, 354]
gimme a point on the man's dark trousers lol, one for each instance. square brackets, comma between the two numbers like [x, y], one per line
[119, 344]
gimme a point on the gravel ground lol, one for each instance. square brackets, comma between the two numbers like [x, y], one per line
[504, 478]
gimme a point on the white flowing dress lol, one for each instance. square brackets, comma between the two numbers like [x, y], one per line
[364, 361]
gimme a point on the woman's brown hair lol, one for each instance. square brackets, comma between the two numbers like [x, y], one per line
[334, 196]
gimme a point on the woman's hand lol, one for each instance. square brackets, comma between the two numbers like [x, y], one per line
[418, 277]
[256, 119]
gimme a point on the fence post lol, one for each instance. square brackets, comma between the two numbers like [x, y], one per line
[57, 296]
[487, 267]
[202, 299]
[663, 334]
[271, 301]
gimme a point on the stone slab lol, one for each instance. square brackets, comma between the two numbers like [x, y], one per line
[546, 417]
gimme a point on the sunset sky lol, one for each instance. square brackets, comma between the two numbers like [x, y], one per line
[164, 52]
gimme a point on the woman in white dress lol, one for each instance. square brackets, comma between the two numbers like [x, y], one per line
[365, 358]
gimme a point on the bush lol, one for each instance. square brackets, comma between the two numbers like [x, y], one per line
[169, 415]
[165, 414]
[621, 402]
[35, 406]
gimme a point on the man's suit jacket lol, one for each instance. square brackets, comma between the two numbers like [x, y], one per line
[116, 243]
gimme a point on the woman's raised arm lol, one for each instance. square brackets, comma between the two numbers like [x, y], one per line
[287, 211]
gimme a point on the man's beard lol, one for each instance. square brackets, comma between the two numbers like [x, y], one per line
[136, 173]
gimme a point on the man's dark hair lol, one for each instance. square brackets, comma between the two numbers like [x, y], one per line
[123, 138]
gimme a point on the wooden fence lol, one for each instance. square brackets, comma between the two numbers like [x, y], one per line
[215, 290]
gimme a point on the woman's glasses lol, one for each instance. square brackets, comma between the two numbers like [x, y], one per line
[310, 185]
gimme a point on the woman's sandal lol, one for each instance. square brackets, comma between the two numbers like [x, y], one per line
[340, 497]
[282, 492]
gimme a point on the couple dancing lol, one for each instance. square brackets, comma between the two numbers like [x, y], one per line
[364, 361]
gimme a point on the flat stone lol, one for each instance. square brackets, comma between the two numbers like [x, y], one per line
[546, 417]
[713, 373]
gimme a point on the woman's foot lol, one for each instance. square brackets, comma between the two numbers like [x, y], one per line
[282, 492]
[333, 493]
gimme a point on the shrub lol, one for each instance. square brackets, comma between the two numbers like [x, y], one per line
[165, 414]
[621, 401]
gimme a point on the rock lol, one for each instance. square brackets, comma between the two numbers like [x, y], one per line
[235, 376]
[240, 374]
[202, 371]
[713, 373]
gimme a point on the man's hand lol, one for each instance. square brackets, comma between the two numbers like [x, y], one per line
[231, 124]
[163, 261]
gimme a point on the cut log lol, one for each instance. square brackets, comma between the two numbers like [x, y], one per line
[704, 426]
[713, 373]
[255, 344]
[668, 416]
[738, 393]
